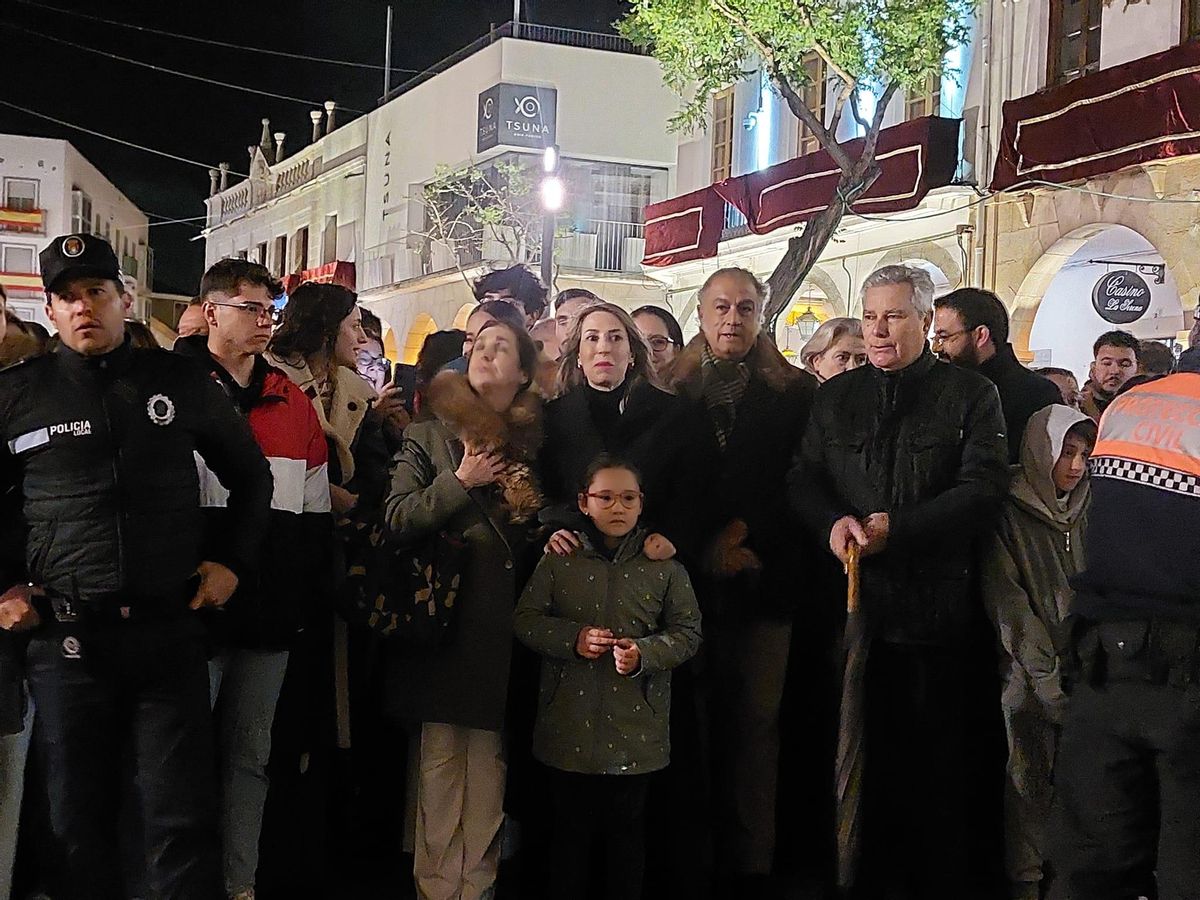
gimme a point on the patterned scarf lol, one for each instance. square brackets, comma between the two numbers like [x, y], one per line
[723, 387]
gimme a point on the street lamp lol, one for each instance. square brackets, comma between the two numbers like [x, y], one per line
[553, 194]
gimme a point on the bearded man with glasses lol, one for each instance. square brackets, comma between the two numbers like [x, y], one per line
[253, 635]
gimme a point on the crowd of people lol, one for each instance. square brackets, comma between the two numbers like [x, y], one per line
[562, 610]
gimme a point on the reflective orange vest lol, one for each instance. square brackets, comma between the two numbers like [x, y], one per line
[1151, 435]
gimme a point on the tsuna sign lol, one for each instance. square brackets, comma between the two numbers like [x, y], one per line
[1121, 297]
[516, 115]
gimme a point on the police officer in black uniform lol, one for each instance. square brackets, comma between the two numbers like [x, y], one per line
[98, 442]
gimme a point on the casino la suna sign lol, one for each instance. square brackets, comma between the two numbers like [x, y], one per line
[1121, 297]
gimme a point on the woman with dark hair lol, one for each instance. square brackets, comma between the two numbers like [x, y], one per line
[467, 472]
[316, 346]
[661, 331]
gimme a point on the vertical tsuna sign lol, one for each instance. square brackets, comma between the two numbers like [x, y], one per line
[516, 115]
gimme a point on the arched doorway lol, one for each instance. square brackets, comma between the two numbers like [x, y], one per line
[422, 327]
[1058, 312]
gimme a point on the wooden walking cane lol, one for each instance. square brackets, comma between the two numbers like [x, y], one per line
[851, 727]
[853, 586]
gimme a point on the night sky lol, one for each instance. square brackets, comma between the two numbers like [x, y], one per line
[210, 123]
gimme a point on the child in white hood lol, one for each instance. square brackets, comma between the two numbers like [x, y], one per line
[1036, 549]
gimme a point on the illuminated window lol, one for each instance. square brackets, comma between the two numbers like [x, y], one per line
[1074, 39]
[927, 102]
[722, 135]
[813, 96]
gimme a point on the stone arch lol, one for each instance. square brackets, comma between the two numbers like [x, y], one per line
[823, 281]
[423, 326]
[464, 313]
[929, 252]
[1094, 246]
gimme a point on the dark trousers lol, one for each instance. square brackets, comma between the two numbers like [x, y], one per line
[1127, 786]
[746, 666]
[915, 778]
[597, 809]
[117, 698]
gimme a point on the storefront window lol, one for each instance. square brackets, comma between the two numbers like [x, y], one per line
[1074, 38]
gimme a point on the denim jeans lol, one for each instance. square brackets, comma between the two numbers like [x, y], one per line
[14, 748]
[245, 687]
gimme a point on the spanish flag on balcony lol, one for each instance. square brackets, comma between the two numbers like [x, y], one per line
[30, 220]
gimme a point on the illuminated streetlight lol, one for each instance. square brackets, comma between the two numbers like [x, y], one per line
[553, 194]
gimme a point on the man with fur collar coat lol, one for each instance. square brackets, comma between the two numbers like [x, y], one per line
[753, 407]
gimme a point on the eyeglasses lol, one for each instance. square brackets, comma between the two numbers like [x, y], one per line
[272, 314]
[938, 339]
[606, 499]
[659, 343]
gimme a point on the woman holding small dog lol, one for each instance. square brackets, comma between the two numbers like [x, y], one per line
[467, 472]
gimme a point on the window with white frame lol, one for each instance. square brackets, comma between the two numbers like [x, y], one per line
[21, 193]
[16, 258]
[81, 212]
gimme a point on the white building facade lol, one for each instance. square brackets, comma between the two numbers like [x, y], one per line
[354, 196]
[48, 189]
[602, 104]
[300, 215]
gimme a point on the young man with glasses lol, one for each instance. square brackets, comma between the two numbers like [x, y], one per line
[253, 634]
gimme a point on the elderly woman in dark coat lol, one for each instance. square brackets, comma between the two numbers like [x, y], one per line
[466, 471]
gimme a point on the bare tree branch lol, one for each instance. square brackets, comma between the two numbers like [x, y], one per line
[798, 107]
[858, 116]
[872, 137]
[839, 106]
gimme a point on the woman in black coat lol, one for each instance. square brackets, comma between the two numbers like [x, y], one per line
[609, 402]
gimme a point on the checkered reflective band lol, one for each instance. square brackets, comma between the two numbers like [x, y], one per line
[1146, 474]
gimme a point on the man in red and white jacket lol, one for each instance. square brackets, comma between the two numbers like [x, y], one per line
[255, 630]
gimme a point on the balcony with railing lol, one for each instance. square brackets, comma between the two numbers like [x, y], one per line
[278, 180]
[545, 34]
[602, 246]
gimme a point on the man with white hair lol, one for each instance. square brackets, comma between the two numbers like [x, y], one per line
[907, 459]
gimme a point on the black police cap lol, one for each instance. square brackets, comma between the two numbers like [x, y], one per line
[78, 256]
